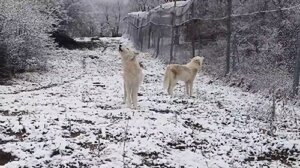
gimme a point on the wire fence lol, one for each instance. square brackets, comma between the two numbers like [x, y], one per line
[176, 32]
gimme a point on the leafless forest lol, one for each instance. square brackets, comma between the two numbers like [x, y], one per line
[254, 43]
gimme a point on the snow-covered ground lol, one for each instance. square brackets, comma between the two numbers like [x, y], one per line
[74, 116]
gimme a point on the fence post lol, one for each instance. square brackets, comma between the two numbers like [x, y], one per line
[229, 8]
[297, 67]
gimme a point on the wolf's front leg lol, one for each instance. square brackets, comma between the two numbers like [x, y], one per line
[125, 94]
[191, 88]
[134, 97]
[187, 88]
[128, 95]
[171, 87]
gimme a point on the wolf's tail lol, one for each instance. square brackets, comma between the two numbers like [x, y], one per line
[167, 78]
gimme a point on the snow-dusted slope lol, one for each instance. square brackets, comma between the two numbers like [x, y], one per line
[76, 118]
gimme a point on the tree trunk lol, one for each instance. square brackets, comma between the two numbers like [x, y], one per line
[297, 68]
[141, 38]
[177, 36]
[158, 43]
[193, 30]
[149, 36]
[172, 34]
[228, 37]
[234, 56]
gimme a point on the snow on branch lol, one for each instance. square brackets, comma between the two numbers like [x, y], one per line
[217, 19]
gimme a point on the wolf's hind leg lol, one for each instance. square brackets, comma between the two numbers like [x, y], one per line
[171, 87]
[134, 97]
[191, 88]
[187, 88]
[128, 96]
[125, 94]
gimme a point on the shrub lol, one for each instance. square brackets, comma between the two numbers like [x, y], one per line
[25, 27]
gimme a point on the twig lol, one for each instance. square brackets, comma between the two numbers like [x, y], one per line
[124, 139]
[273, 110]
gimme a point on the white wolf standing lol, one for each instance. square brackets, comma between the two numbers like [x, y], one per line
[132, 74]
[186, 73]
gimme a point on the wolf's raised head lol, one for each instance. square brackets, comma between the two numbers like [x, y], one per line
[198, 60]
[127, 54]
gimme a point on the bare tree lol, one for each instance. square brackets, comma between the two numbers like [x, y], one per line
[228, 50]
[297, 68]
[172, 31]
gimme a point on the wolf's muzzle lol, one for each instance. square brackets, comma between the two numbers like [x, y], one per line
[120, 48]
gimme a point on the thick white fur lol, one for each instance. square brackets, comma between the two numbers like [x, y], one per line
[186, 73]
[132, 75]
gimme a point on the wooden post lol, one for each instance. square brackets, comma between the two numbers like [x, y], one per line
[297, 68]
[229, 8]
